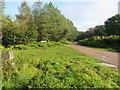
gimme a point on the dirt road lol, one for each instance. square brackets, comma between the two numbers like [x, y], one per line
[106, 56]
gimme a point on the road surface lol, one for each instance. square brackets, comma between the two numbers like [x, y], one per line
[105, 56]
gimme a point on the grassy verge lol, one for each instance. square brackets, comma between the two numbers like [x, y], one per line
[57, 67]
[107, 49]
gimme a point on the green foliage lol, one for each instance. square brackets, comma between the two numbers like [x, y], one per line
[37, 24]
[65, 42]
[73, 33]
[25, 14]
[113, 25]
[87, 34]
[1, 47]
[35, 45]
[99, 30]
[2, 6]
[51, 24]
[22, 30]
[57, 67]
[13, 34]
[112, 42]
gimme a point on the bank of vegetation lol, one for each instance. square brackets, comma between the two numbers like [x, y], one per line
[41, 22]
[105, 36]
[111, 43]
[56, 67]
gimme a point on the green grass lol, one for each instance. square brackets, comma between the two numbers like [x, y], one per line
[57, 67]
[107, 49]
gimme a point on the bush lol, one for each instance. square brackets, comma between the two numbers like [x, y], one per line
[35, 45]
[102, 42]
[2, 47]
[65, 42]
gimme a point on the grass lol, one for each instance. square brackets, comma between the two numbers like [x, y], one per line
[57, 67]
[107, 49]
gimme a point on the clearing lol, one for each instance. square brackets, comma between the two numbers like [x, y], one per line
[57, 67]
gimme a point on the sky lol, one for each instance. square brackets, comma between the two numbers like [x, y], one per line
[83, 13]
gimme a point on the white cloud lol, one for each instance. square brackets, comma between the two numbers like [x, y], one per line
[100, 11]
[86, 26]
[94, 13]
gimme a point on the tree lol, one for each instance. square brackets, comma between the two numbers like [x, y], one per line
[73, 33]
[37, 7]
[7, 31]
[39, 23]
[112, 25]
[52, 25]
[25, 14]
[22, 30]
[89, 32]
[26, 23]
[99, 30]
[81, 35]
[2, 6]
[36, 15]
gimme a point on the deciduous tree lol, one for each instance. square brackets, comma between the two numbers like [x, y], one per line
[112, 25]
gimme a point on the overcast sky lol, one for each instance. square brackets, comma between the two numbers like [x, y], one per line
[83, 13]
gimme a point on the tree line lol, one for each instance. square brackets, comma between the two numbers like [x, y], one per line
[45, 22]
[111, 27]
[40, 22]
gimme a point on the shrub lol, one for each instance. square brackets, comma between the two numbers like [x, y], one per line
[102, 42]
[35, 45]
[2, 47]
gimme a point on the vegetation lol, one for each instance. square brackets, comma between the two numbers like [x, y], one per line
[103, 36]
[111, 43]
[52, 64]
[34, 45]
[111, 27]
[56, 67]
[99, 30]
[36, 24]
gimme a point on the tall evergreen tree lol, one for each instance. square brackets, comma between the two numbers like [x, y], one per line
[36, 15]
[54, 26]
[25, 13]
